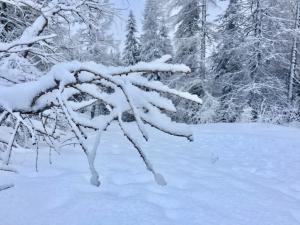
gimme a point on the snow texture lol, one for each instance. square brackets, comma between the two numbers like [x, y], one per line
[233, 174]
[64, 74]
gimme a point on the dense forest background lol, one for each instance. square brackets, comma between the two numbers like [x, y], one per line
[244, 62]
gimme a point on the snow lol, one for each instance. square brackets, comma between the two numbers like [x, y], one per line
[23, 41]
[158, 86]
[7, 186]
[15, 69]
[21, 97]
[232, 174]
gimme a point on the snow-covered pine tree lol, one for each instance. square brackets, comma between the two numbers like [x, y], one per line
[166, 43]
[166, 48]
[194, 11]
[187, 51]
[227, 65]
[131, 54]
[252, 59]
[150, 39]
[187, 35]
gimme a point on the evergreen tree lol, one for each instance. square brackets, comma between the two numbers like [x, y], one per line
[166, 44]
[226, 61]
[131, 53]
[187, 35]
[251, 58]
[187, 51]
[151, 40]
[166, 49]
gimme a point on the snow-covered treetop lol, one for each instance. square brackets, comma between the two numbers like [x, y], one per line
[131, 53]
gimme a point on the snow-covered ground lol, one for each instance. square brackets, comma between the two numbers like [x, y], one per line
[232, 174]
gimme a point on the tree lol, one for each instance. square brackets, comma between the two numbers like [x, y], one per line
[187, 51]
[11, 21]
[96, 43]
[204, 35]
[251, 60]
[52, 95]
[166, 43]
[56, 18]
[187, 35]
[49, 107]
[227, 64]
[150, 39]
[294, 55]
[131, 54]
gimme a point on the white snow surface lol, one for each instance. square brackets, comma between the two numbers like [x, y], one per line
[232, 174]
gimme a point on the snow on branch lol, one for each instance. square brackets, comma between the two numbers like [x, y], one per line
[45, 11]
[121, 89]
[6, 47]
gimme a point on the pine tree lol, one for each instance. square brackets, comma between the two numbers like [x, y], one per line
[251, 59]
[150, 40]
[227, 66]
[187, 51]
[131, 54]
[166, 44]
[187, 35]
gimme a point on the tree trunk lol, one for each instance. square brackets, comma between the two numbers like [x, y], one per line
[294, 55]
[203, 38]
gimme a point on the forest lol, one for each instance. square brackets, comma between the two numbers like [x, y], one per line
[110, 112]
[244, 62]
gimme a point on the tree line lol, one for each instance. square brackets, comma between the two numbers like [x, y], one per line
[244, 64]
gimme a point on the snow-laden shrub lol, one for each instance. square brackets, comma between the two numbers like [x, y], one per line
[37, 106]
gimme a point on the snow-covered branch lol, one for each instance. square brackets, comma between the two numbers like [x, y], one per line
[46, 11]
[121, 89]
[7, 47]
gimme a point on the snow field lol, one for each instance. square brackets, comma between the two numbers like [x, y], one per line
[232, 174]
